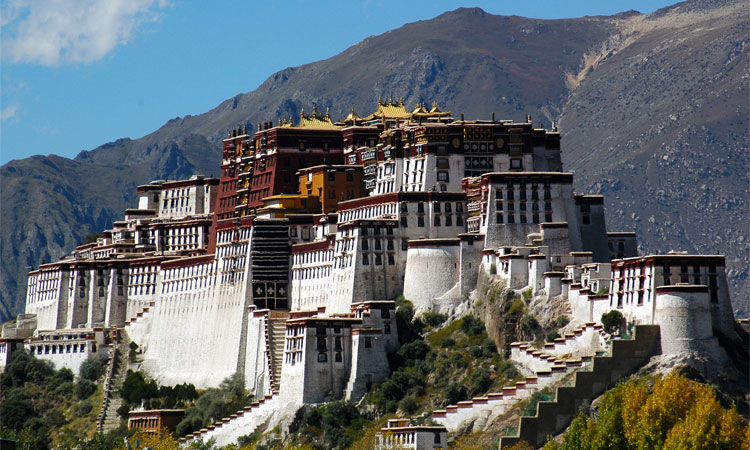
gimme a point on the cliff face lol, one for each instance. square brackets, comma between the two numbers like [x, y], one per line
[652, 110]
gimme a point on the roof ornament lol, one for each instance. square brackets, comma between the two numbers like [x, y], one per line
[528, 118]
[401, 101]
[380, 100]
[315, 110]
[390, 99]
[493, 116]
[462, 117]
[328, 112]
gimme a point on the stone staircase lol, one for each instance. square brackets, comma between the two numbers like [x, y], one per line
[140, 314]
[547, 365]
[275, 341]
[243, 422]
[551, 418]
[117, 369]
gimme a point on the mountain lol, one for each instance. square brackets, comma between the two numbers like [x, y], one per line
[652, 109]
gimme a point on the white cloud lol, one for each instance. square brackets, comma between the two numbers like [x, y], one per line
[50, 32]
[9, 112]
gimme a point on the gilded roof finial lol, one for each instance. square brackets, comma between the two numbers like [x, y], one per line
[328, 112]
[390, 99]
[315, 110]
[302, 112]
[401, 101]
[462, 117]
[380, 100]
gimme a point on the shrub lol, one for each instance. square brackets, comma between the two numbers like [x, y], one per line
[516, 307]
[123, 411]
[84, 388]
[472, 326]
[136, 388]
[551, 336]
[480, 380]
[91, 369]
[84, 407]
[408, 404]
[434, 319]
[613, 321]
[561, 321]
[447, 342]
[455, 392]
[526, 294]
[508, 370]
[414, 351]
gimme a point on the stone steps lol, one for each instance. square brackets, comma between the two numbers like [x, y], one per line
[243, 422]
[116, 373]
[626, 357]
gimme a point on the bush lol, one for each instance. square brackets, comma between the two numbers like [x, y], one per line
[434, 319]
[413, 351]
[408, 404]
[480, 381]
[613, 321]
[136, 388]
[447, 342]
[551, 336]
[508, 370]
[84, 408]
[454, 393]
[84, 388]
[472, 326]
[91, 369]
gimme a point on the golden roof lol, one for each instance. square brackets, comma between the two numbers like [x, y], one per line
[353, 118]
[316, 120]
[390, 110]
[435, 111]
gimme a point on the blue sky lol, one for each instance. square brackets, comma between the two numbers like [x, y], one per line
[75, 74]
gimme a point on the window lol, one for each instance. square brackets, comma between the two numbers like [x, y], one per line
[390, 244]
[365, 259]
[442, 177]
[516, 163]
[511, 206]
[387, 328]
[459, 221]
[404, 245]
[436, 221]
[523, 206]
[523, 218]
[404, 208]
[322, 357]
[365, 244]
[448, 220]
[331, 194]
[535, 218]
[548, 217]
[368, 342]
[499, 217]
[378, 260]
[420, 221]
[337, 343]
[447, 207]
[350, 176]
[378, 245]
[459, 207]
[321, 344]
[391, 260]
[548, 206]
[420, 207]
[404, 222]
[511, 218]
[338, 357]
[586, 219]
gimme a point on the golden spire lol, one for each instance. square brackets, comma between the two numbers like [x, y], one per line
[328, 112]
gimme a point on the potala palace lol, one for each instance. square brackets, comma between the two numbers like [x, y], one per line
[286, 268]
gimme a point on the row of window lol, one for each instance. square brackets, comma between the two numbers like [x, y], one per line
[501, 218]
[378, 259]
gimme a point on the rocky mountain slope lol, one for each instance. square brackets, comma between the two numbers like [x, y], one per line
[652, 109]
